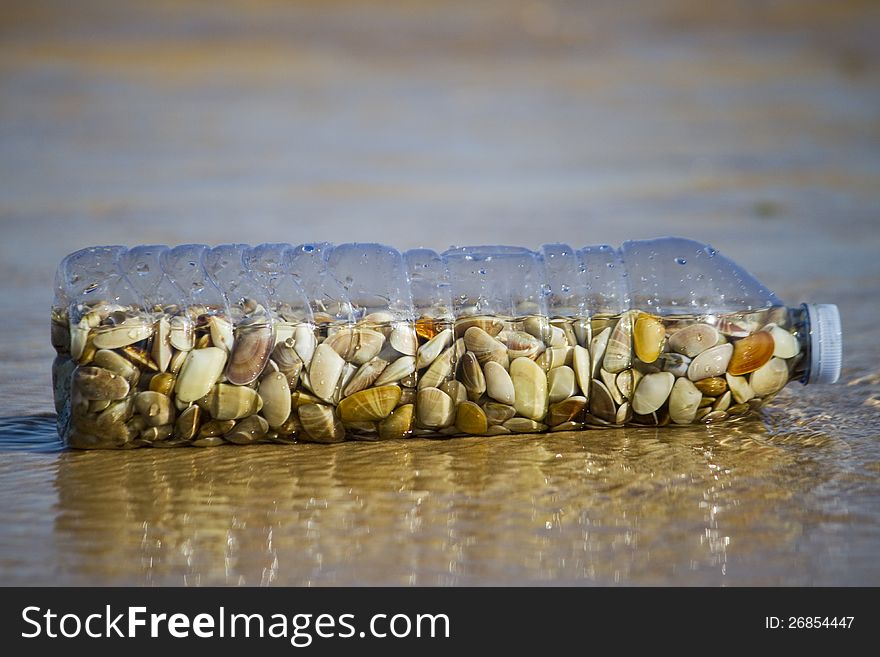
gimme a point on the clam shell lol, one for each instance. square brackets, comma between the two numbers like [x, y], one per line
[557, 337]
[524, 425]
[369, 405]
[324, 371]
[110, 360]
[433, 347]
[208, 441]
[439, 370]
[157, 433]
[624, 414]
[97, 383]
[116, 414]
[472, 374]
[187, 424]
[498, 413]
[288, 362]
[356, 344]
[249, 430]
[365, 376]
[79, 336]
[499, 385]
[222, 334]
[750, 353]
[275, 393]
[485, 347]
[597, 350]
[561, 384]
[566, 411]
[161, 350]
[530, 385]
[785, 345]
[567, 426]
[455, 389]
[684, 401]
[723, 403]
[618, 353]
[554, 357]
[610, 381]
[582, 331]
[348, 372]
[319, 422]
[177, 361]
[398, 424]
[712, 362]
[301, 398]
[538, 327]
[490, 325]
[648, 337]
[714, 416]
[121, 335]
[139, 357]
[180, 333]
[470, 418]
[215, 428]
[250, 353]
[693, 340]
[434, 408]
[284, 332]
[713, 386]
[402, 367]
[737, 326]
[673, 362]
[652, 391]
[770, 378]
[229, 402]
[304, 343]
[581, 361]
[154, 407]
[625, 383]
[521, 344]
[498, 430]
[403, 339]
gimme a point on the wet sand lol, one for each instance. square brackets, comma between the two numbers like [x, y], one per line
[431, 124]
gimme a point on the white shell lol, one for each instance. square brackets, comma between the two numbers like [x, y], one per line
[652, 391]
[200, 371]
[581, 362]
[324, 371]
[684, 401]
[561, 384]
[499, 385]
[785, 344]
[433, 347]
[530, 384]
[403, 366]
[770, 378]
[712, 362]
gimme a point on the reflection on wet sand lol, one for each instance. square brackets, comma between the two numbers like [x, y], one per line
[632, 506]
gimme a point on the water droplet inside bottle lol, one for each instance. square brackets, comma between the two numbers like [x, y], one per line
[610, 265]
[681, 261]
[565, 289]
[482, 272]
[710, 251]
[308, 248]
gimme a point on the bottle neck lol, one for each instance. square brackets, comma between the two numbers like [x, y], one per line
[799, 326]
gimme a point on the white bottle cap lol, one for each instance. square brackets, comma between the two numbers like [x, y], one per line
[826, 346]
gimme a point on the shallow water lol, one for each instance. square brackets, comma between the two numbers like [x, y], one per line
[434, 124]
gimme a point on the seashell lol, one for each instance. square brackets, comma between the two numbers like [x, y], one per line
[675, 363]
[121, 335]
[597, 350]
[498, 413]
[433, 347]
[490, 325]
[455, 389]
[459, 348]
[250, 353]
[398, 424]
[538, 327]
[738, 409]
[162, 383]
[650, 368]
[208, 441]
[300, 398]
[111, 419]
[485, 347]
[284, 332]
[624, 414]
[369, 405]
[530, 385]
[378, 319]
[319, 422]
[713, 386]
[470, 418]
[712, 362]
[714, 416]
[187, 423]
[625, 383]
[97, 383]
[304, 343]
[439, 370]
[180, 333]
[770, 378]
[750, 353]
[582, 331]
[610, 381]
[566, 411]
[602, 403]
[139, 357]
[434, 408]
[157, 433]
[737, 326]
[567, 426]
[215, 428]
[740, 388]
[203, 341]
[290, 426]
[96, 406]
[707, 401]
[112, 361]
[324, 371]
[557, 337]
[498, 430]
[155, 407]
[402, 367]
[498, 384]
[79, 336]
[652, 391]
[648, 337]
[554, 357]
[723, 403]
[355, 344]
[229, 402]
[177, 361]
[403, 339]
[570, 337]
[684, 401]
[365, 376]
[275, 393]
[618, 353]
[201, 369]
[222, 334]
[693, 340]
[785, 344]
[247, 431]
[287, 361]
[524, 425]
[581, 361]
[472, 374]
[560, 383]
[161, 350]
[521, 344]
[348, 372]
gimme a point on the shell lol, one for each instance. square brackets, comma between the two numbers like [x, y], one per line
[187, 424]
[740, 388]
[712, 362]
[110, 360]
[561, 384]
[499, 385]
[116, 414]
[369, 405]
[538, 327]
[398, 424]
[324, 371]
[751, 353]
[554, 357]
[208, 441]
[472, 374]
[161, 350]
[433, 347]
[275, 393]
[770, 378]
[652, 391]
[229, 402]
[610, 381]
[602, 403]
[180, 333]
[319, 423]
[522, 344]
[498, 430]
[155, 407]
[567, 426]
[582, 331]
[222, 334]
[723, 403]
[249, 430]
[581, 361]
[713, 386]
[470, 418]
[618, 353]
[684, 400]
[250, 353]
[648, 337]
[288, 362]
[365, 376]
[485, 347]
[455, 389]
[177, 361]
[557, 337]
[785, 344]
[530, 384]
[402, 367]
[348, 372]
[96, 383]
[356, 344]
[626, 383]
[157, 433]
[490, 325]
[439, 370]
[737, 326]
[673, 362]
[79, 336]
[214, 428]
[403, 339]
[693, 340]
[121, 335]
[498, 413]
[598, 345]
[139, 357]
[566, 411]
[624, 414]
[524, 425]
[434, 408]
[304, 343]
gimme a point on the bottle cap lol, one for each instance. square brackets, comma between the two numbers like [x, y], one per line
[826, 346]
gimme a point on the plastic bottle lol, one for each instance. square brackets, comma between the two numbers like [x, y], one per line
[278, 343]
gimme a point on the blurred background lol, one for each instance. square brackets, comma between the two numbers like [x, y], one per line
[751, 125]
